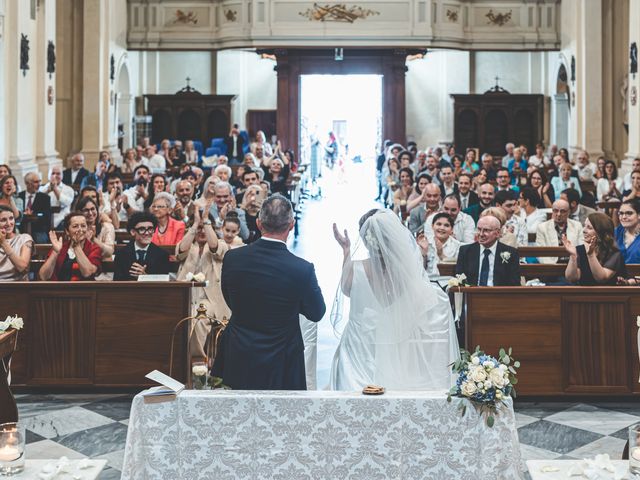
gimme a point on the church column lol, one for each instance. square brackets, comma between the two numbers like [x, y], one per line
[95, 81]
[46, 154]
[589, 83]
[20, 90]
[633, 95]
[394, 98]
[3, 87]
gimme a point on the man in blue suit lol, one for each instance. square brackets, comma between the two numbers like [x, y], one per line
[267, 288]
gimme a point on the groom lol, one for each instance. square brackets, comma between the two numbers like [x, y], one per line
[267, 288]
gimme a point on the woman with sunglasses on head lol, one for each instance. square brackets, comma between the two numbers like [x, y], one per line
[598, 261]
[73, 257]
[100, 231]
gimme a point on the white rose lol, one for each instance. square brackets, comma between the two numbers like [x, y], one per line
[199, 370]
[477, 374]
[487, 363]
[199, 277]
[17, 322]
[468, 389]
[497, 378]
[475, 360]
[488, 384]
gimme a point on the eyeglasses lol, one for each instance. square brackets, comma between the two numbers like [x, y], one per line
[486, 230]
[626, 213]
[555, 210]
[144, 230]
[159, 206]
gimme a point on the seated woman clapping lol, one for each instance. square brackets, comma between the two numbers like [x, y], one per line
[75, 257]
[99, 231]
[401, 195]
[598, 261]
[441, 247]
[169, 230]
[200, 251]
[15, 248]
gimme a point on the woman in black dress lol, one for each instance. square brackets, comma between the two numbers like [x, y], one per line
[598, 261]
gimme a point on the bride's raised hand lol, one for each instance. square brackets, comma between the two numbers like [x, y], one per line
[343, 240]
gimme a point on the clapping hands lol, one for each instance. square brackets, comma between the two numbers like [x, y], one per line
[56, 243]
[570, 247]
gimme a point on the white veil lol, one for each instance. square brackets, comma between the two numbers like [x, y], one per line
[403, 324]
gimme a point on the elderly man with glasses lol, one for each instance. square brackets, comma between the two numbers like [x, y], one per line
[550, 232]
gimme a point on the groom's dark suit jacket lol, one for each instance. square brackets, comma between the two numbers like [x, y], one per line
[267, 288]
[505, 272]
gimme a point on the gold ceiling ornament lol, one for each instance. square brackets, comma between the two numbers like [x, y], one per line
[185, 18]
[500, 19]
[231, 15]
[452, 15]
[337, 13]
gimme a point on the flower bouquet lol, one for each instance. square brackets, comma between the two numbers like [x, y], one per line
[455, 283]
[484, 380]
[15, 322]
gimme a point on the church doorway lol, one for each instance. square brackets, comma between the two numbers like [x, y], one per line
[347, 106]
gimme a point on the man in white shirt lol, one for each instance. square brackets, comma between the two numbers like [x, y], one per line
[507, 201]
[550, 233]
[448, 184]
[529, 212]
[463, 225]
[133, 197]
[509, 156]
[586, 170]
[155, 161]
[61, 195]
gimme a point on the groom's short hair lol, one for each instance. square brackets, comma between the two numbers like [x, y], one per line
[276, 214]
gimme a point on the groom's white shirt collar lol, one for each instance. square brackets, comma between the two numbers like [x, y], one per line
[268, 239]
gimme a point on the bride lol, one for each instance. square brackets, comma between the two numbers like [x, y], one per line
[399, 333]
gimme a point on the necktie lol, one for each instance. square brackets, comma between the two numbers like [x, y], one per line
[30, 202]
[484, 270]
[140, 254]
[464, 202]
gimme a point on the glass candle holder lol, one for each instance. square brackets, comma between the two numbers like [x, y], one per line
[12, 441]
[634, 449]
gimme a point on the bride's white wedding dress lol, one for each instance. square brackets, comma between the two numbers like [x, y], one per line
[399, 332]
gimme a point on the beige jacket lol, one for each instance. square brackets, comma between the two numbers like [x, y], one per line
[546, 236]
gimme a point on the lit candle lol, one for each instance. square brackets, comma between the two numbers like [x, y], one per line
[9, 453]
[635, 453]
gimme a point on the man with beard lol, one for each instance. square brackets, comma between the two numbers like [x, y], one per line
[485, 200]
[185, 206]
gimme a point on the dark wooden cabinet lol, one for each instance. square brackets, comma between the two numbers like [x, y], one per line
[189, 115]
[491, 120]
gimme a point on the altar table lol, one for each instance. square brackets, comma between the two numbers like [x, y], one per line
[317, 435]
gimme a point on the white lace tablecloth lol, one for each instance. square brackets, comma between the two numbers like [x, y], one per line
[317, 435]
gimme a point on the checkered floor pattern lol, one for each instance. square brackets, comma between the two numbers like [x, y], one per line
[80, 425]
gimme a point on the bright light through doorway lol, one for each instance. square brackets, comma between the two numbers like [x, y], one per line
[348, 105]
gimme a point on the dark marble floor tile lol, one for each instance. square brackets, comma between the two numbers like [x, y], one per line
[116, 409]
[33, 437]
[555, 437]
[38, 408]
[109, 474]
[96, 441]
[622, 434]
[542, 409]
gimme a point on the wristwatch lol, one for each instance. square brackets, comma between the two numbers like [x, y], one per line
[207, 222]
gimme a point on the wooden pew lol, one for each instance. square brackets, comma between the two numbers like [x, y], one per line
[86, 335]
[569, 340]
